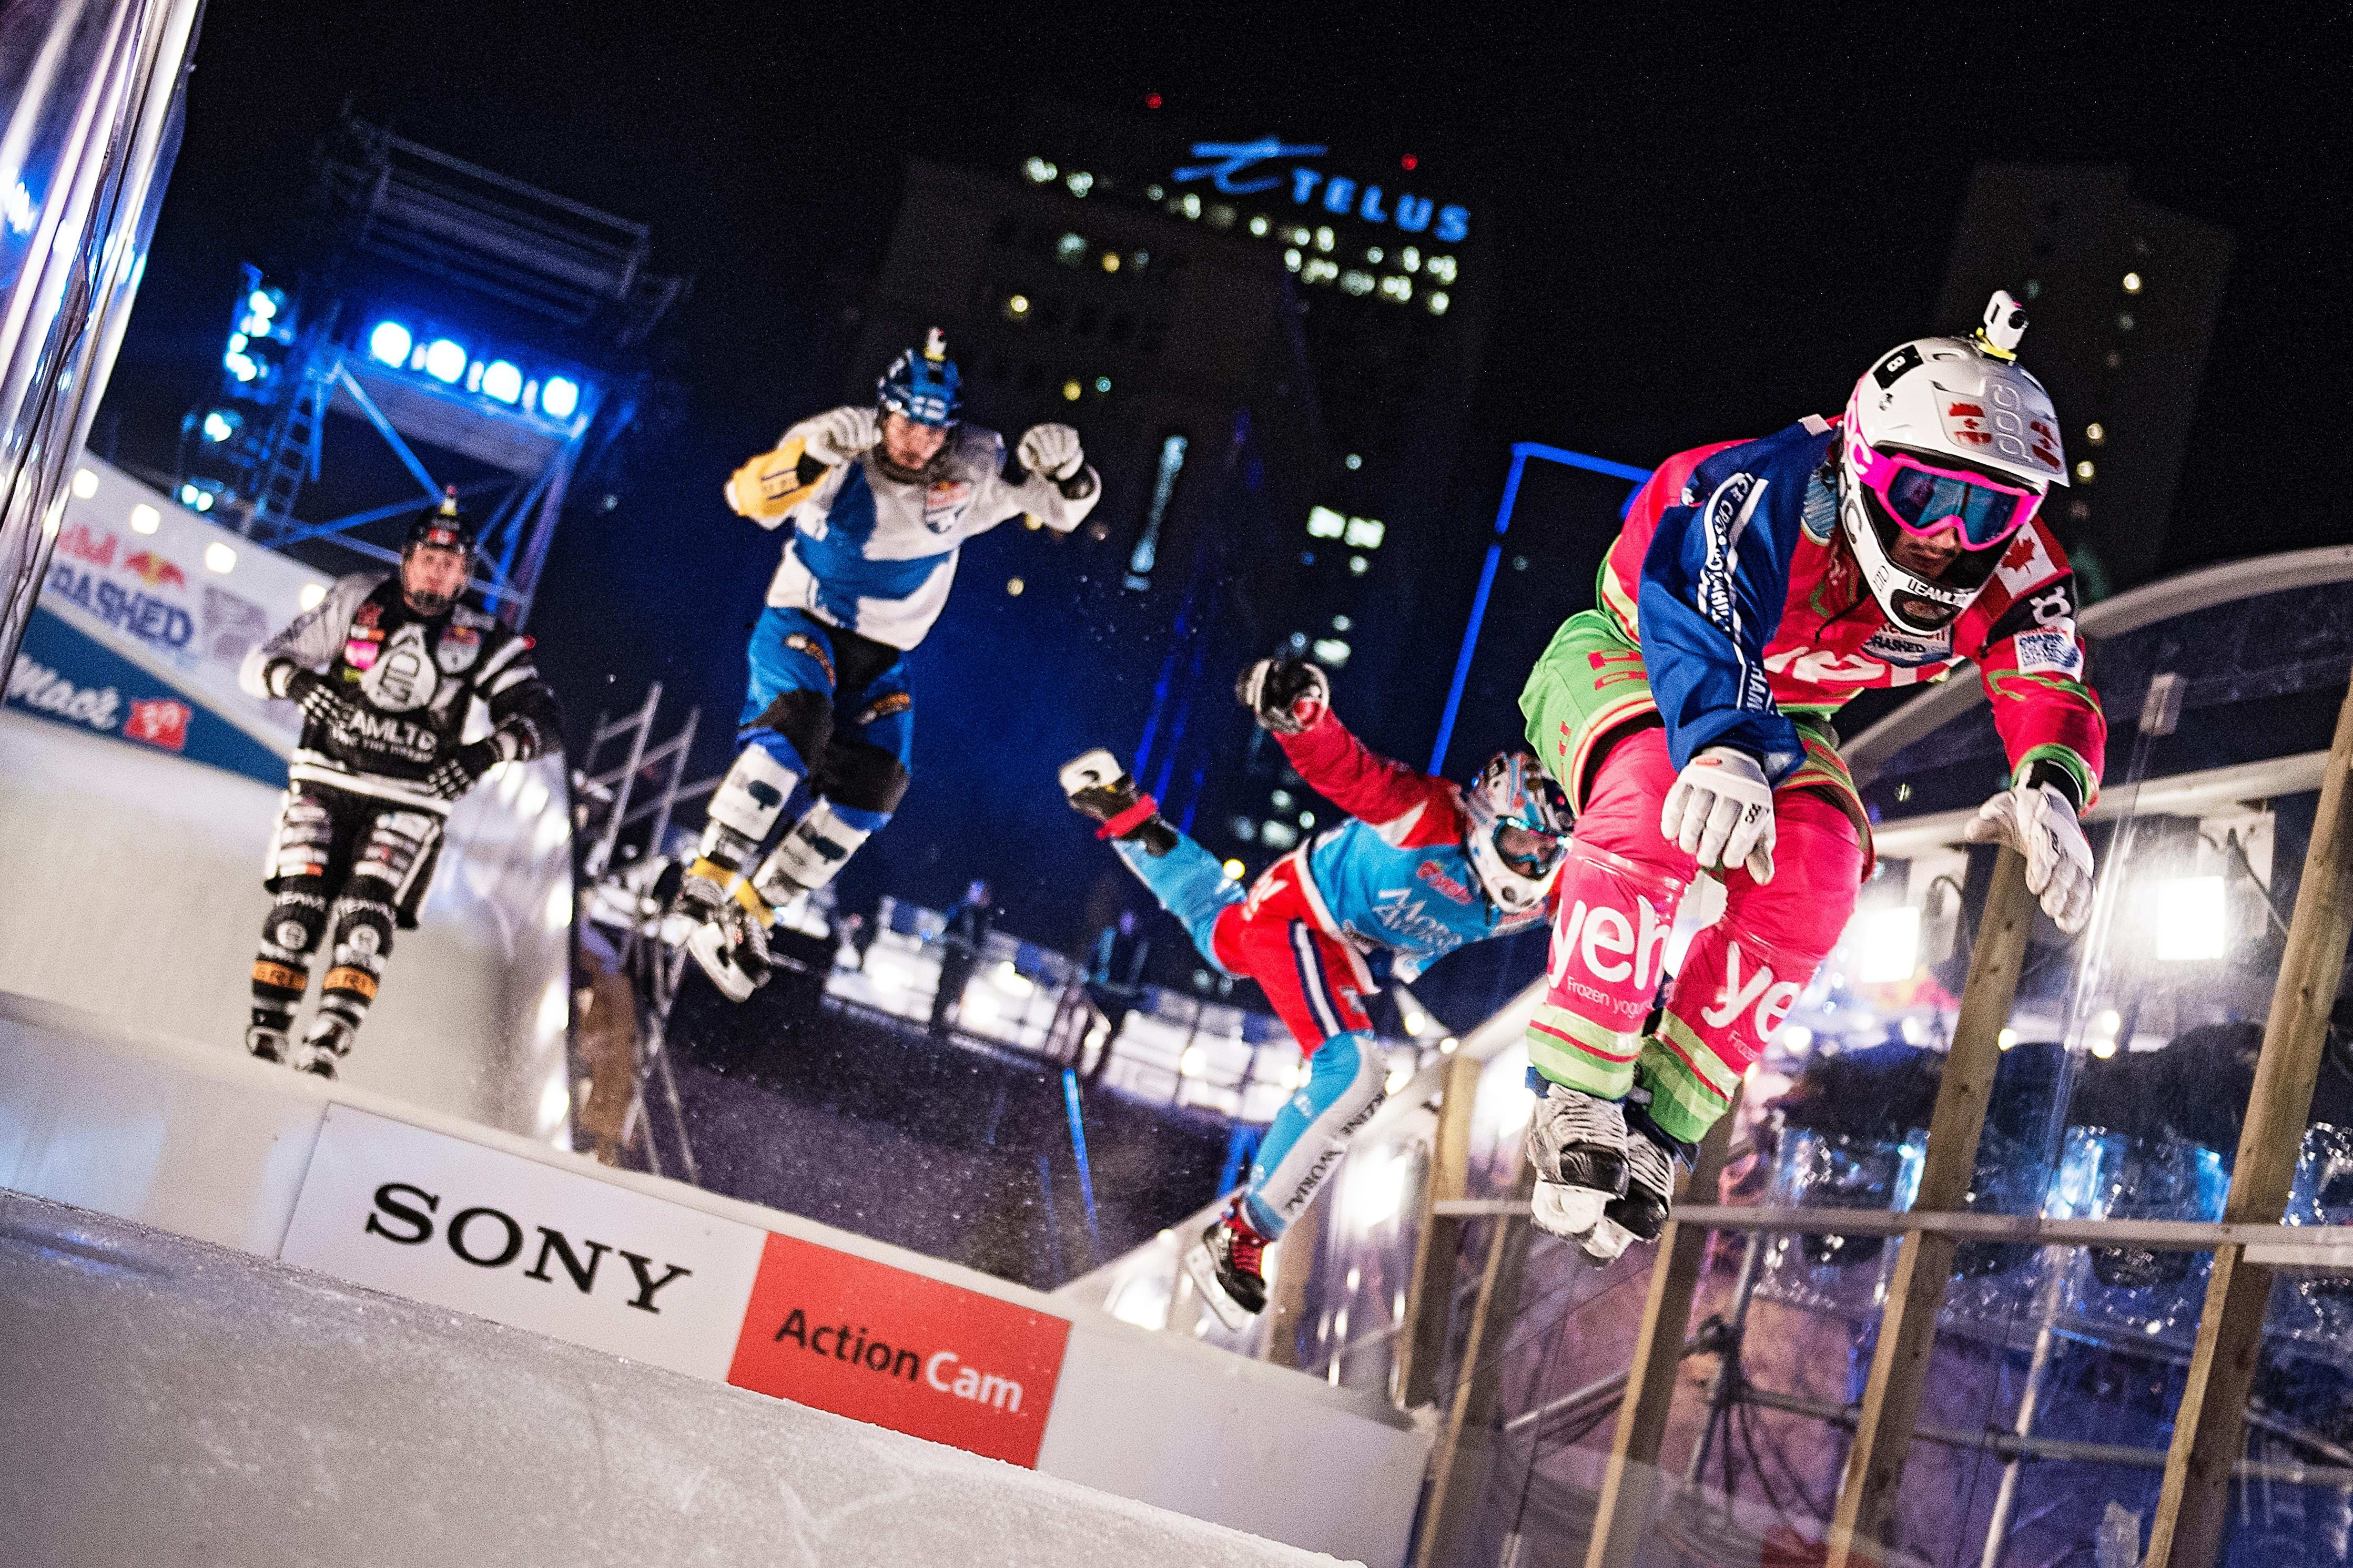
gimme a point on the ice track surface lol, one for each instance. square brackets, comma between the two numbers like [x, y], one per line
[174, 1402]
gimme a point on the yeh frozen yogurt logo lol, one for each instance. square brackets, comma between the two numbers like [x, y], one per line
[1241, 169]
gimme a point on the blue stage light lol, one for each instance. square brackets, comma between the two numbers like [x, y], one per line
[262, 304]
[445, 361]
[501, 381]
[389, 343]
[220, 425]
[242, 365]
[559, 397]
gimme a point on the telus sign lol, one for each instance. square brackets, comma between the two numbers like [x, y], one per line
[1256, 168]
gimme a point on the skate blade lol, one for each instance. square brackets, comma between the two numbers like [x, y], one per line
[1569, 1213]
[675, 929]
[708, 948]
[1203, 1271]
[1089, 770]
[1606, 1241]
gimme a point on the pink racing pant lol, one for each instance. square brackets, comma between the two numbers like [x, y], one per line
[1619, 891]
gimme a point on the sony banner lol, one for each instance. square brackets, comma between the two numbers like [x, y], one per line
[437, 1219]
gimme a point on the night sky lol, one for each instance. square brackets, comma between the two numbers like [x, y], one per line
[1695, 233]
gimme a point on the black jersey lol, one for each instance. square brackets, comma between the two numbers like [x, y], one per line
[411, 681]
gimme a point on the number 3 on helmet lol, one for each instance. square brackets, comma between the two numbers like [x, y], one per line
[1518, 827]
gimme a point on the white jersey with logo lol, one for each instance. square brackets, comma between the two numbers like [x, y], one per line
[877, 555]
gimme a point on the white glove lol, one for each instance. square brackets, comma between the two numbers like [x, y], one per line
[1052, 450]
[838, 435]
[1721, 809]
[2038, 822]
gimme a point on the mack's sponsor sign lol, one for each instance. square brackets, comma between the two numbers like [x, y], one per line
[901, 1349]
[438, 1219]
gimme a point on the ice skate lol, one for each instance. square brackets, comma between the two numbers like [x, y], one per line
[265, 1044]
[1099, 788]
[324, 1050]
[701, 895]
[1226, 1265]
[731, 951]
[1577, 1143]
[1641, 1213]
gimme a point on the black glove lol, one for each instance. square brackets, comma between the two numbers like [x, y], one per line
[319, 698]
[1288, 695]
[463, 769]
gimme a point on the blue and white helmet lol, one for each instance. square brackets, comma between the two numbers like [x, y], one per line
[1512, 794]
[923, 388]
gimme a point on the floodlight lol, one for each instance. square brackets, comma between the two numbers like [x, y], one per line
[559, 397]
[389, 343]
[220, 425]
[445, 361]
[501, 381]
[2192, 919]
[1886, 944]
[262, 304]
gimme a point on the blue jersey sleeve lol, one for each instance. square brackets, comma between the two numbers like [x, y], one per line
[1714, 582]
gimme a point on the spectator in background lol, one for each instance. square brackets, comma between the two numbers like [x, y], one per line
[855, 932]
[965, 934]
[1115, 977]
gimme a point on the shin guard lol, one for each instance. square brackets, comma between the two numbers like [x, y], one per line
[1347, 1082]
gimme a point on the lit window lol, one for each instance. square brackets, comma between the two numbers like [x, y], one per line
[1366, 532]
[1319, 269]
[1438, 301]
[2132, 282]
[1017, 308]
[1322, 522]
[1153, 193]
[2096, 433]
[1103, 386]
[1013, 585]
[1111, 262]
[1040, 172]
[1071, 390]
[1282, 800]
[1079, 183]
[1191, 205]
[1070, 248]
[1355, 282]
[1355, 461]
[1243, 829]
[1358, 565]
[2083, 470]
[1222, 215]
[1441, 267]
[1374, 254]
[1233, 869]
[1299, 236]
[1398, 289]
[1342, 624]
[1278, 836]
[1299, 642]
[1307, 819]
[1323, 239]
[1258, 225]
[1410, 259]
[1331, 651]
[1290, 259]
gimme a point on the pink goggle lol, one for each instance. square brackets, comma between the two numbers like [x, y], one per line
[1927, 500]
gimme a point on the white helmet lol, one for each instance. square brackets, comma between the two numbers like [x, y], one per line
[1512, 796]
[1946, 439]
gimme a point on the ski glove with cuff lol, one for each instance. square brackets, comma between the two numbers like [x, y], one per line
[463, 769]
[838, 435]
[314, 692]
[1721, 809]
[1288, 695]
[2038, 820]
[1052, 450]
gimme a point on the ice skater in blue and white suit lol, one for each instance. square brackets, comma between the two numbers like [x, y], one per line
[880, 501]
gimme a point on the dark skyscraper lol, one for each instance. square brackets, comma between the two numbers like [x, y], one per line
[2123, 297]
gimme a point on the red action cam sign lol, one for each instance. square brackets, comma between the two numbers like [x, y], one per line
[864, 1340]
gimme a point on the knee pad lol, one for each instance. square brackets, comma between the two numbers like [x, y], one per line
[395, 852]
[862, 775]
[295, 923]
[753, 795]
[1347, 1082]
[362, 939]
[805, 719]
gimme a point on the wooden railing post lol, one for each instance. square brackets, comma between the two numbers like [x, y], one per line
[1629, 1484]
[1457, 1463]
[1907, 1325]
[2209, 1429]
[1429, 1295]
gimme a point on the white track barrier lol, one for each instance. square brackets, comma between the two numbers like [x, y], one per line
[357, 1186]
